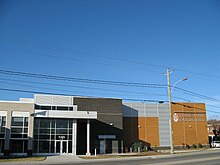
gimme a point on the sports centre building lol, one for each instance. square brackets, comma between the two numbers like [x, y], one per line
[56, 125]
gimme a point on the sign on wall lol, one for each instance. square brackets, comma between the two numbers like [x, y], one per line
[188, 117]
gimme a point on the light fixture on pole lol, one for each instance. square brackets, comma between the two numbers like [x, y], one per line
[183, 79]
[170, 109]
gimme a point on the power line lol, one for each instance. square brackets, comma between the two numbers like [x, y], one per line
[83, 80]
[180, 98]
[188, 106]
[58, 48]
[197, 73]
[82, 52]
[190, 102]
[70, 58]
[213, 106]
[63, 78]
[64, 94]
[197, 95]
[73, 86]
[144, 100]
[45, 88]
[90, 88]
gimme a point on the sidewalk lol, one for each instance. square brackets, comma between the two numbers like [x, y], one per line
[49, 160]
[76, 159]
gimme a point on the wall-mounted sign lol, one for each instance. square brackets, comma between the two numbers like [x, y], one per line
[61, 137]
[106, 136]
[175, 117]
[189, 117]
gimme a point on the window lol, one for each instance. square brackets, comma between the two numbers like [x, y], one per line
[19, 127]
[42, 107]
[45, 123]
[62, 108]
[19, 146]
[36, 106]
[17, 121]
[44, 147]
[48, 131]
[2, 142]
[45, 107]
[2, 126]
[48, 107]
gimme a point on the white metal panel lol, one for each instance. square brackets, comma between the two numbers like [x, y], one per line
[26, 100]
[20, 114]
[66, 114]
[63, 100]
[3, 113]
[53, 100]
[43, 99]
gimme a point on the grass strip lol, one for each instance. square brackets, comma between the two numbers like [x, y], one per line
[28, 159]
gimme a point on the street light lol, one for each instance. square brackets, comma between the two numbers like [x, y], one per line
[183, 79]
[170, 110]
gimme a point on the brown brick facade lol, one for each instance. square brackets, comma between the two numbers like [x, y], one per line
[191, 125]
[142, 129]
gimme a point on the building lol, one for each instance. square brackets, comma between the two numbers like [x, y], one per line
[213, 129]
[60, 125]
[53, 124]
[149, 124]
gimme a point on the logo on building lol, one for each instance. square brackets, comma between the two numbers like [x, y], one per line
[175, 117]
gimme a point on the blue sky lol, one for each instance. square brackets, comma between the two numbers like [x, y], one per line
[117, 40]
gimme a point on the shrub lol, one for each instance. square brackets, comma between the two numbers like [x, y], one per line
[136, 145]
[193, 146]
[187, 146]
[145, 149]
[199, 145]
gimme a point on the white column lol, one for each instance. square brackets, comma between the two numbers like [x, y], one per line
[74, 137]
[88, 138]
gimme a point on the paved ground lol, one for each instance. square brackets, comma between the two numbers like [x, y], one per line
[210, 157]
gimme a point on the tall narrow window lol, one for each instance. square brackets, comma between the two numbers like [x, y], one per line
[2, 126]
[2, 132]
[19, 134]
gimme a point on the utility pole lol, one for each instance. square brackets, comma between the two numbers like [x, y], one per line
[170, 111]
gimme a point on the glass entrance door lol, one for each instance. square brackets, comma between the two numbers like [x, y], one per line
[61, 146]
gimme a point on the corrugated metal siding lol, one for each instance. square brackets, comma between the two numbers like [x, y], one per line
[164, 125]
[55, 100]
[139, 110]
[151, 110]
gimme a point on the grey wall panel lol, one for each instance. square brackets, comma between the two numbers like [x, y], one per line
[151, 110]
[128, 110]
[139, 110]
[164, 131]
